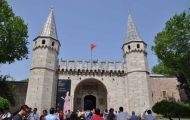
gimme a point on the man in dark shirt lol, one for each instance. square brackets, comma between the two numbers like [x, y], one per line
[23, 112]
[111, 116]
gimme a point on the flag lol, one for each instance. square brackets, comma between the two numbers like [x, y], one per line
[93, 46]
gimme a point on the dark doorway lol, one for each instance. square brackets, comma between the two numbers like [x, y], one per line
[89, 102]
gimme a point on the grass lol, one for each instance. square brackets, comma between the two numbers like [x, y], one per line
[173, 119]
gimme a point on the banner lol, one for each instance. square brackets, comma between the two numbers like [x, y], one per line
[63, 94]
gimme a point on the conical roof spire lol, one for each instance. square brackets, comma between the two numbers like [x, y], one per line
[49, 28]
[132, 32]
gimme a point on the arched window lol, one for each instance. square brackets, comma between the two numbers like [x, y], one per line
[43, 41]
[52, 44]
[129, 47]
[138, 46]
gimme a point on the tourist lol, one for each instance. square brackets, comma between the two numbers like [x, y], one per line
[6, 114]
[22, 112]
[89, 115]
[101, 113]
[123, 115]
[30, 110]
[149, 116]
[34, 115]
[65, 115]
[111, 116]
[86, 114]
[82, 115]
[68, 115]
[74, 116]
[105, 115]
[51, 115]
[115, 113]
[1, 114]
[134, 117]
[42, 117]
[61, 115]
[96, 115]
[56, 113]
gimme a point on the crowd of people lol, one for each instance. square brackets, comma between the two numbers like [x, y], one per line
[26, 113]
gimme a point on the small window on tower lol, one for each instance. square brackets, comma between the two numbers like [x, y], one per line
[43, 41]
[138, 46]
[35, 42]
[129, 47]
[164, 94]
[52, 44]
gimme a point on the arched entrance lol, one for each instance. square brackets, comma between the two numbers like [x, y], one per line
[89, 94]
[89, 102]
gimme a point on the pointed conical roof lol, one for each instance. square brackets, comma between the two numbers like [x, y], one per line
[49, 28]
[132, 32]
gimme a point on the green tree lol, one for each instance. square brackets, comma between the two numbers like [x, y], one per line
[172, 45]
[171, 108]
[161, 69]
[7, 90]
[25, 80]
[13, 35]
[4, 103]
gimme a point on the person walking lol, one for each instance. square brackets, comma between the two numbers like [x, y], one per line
[22, 112]
[6, 115]
[111, 115]
[149, 116]
[61, 115]
[34, 115]
[123, 115]
[42, 117]
[96, 115]
[134, 117]
[51, 115]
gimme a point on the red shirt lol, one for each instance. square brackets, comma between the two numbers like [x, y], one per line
[61, 115]
[96, 117]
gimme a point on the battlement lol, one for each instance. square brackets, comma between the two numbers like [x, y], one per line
[102, 65]
[101, 68]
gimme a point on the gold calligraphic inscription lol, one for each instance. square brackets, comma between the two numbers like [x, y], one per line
[90, 92]
[101, 101]
[90, 87]
[78, 101]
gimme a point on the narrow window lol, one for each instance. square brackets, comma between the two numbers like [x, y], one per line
[35, 42]
[164, 93]
[138, 46]
[129, 47]
[52, 44]
[43, 41]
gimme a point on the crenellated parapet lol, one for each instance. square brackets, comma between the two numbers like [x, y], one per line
[45, 46]
[135, 46]
[80, 67]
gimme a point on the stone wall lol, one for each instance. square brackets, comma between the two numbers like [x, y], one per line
[164, 88]
[158, 85]
[21, 88]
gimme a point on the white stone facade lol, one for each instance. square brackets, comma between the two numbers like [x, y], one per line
[114, 84]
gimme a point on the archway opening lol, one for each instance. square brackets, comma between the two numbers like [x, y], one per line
[89, 102]
[89, 94]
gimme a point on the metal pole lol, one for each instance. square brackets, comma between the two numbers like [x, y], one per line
[91, 59]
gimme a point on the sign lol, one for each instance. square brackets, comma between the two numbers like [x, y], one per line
[63, 86]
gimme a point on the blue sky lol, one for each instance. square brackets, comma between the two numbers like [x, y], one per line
[82, 22]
